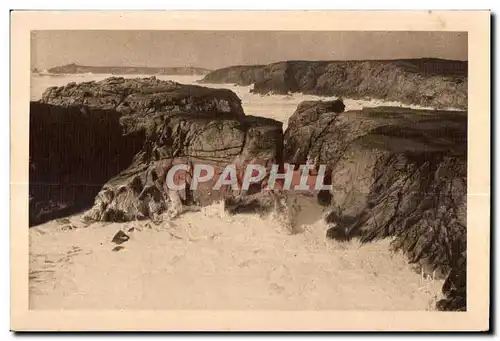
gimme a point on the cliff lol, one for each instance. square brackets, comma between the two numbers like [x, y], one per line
[123, 135]
[128, 70]
[397, 173]
[435, 83]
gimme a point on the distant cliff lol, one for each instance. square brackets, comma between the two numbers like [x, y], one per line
[428, 82]
[125, 70]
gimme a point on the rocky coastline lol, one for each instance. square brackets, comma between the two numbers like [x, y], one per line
[397, 173]
[427, 82]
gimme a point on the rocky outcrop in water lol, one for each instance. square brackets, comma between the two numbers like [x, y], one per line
[397, 173]
[129, 70]
[175, 124]
[429, 82]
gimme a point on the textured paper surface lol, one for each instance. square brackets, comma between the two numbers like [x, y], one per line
[475, 23]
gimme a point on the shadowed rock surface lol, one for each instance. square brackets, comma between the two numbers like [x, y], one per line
[429, 82]
[176, 124]
[397, 173]
[73, 152]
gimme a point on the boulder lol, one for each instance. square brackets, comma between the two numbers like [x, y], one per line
[120, 237]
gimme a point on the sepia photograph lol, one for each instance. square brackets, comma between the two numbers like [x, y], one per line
[250, 170]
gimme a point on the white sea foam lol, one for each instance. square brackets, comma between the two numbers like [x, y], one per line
[278, 107]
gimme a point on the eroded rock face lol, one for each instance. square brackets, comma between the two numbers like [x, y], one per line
[179, 124]
[429, 82]
[397, 173]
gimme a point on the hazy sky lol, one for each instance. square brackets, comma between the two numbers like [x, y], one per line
[217, 49]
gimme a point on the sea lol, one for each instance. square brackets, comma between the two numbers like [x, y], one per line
[246, 261]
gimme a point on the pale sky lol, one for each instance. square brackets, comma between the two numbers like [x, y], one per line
[217, 49]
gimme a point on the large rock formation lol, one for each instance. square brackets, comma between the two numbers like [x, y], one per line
[397, 173]
[435, 83]
[128, 70]
[168, 123]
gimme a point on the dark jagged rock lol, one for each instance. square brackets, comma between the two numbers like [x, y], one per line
[175, 123]
[120, 237]
[397, 173]
[430, 82]
[455, 287]
[128, 70]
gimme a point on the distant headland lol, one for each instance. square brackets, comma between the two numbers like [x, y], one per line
[125, 70]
